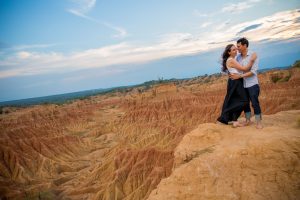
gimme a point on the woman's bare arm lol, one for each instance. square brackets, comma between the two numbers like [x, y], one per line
[235, 64]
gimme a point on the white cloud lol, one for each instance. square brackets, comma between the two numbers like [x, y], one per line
[205, 24]
[32, 46]
[272, 28]
[236, 8]
[121, 32]
[24, 54]
[200, 14]
[233, 8]
[84, 6]
[79, 14]
[223, 25]
[239, 7]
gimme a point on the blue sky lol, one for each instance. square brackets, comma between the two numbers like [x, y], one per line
[57, 46]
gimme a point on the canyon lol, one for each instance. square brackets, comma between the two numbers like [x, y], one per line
[129, 144]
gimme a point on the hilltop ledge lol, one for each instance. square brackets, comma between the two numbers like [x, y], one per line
[219, 162]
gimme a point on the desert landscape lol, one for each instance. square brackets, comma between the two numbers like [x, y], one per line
[257, 165]
[157, 142]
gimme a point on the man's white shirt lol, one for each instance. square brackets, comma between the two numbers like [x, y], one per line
[251, 80]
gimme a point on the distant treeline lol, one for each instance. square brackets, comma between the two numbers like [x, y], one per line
[55, 99]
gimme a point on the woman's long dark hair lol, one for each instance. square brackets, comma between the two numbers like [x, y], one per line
[225, 56]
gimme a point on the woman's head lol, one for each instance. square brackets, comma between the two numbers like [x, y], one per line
[230, 50]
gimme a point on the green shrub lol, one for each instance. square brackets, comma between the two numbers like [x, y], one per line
[280, 77]
[275, 78]
[296, 64]
[285, 79]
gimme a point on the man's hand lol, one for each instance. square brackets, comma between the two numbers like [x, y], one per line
[235, 76]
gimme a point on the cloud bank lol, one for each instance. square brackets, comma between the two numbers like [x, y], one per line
[277, 27]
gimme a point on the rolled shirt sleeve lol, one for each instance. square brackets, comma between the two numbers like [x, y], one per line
[254, 67]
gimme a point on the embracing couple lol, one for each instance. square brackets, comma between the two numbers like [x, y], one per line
[242, 87]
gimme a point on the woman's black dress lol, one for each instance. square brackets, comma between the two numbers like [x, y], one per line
[235, 101]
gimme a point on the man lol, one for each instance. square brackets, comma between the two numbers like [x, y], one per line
[250, 81]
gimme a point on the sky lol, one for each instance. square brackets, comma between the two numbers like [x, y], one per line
[58, 46]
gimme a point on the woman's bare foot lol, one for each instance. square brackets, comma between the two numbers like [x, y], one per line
[244, 123]
[237, 124]
[217, 122]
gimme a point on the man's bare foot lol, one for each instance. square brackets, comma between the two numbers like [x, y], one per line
[248, 122]
[259, 125]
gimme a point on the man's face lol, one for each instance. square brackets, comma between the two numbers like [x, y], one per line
[241, 47]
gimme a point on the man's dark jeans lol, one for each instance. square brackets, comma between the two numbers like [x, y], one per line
[253, 93]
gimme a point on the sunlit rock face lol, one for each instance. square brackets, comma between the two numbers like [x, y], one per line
[216, 162]
[119, 145]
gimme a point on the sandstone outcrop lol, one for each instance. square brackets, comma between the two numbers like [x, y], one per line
[219, 162]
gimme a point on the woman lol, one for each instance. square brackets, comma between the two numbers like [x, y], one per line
[236, 98]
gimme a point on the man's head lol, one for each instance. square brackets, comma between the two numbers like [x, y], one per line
[242, 44]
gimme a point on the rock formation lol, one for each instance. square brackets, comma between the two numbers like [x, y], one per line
[117, 145]
[219, 162]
